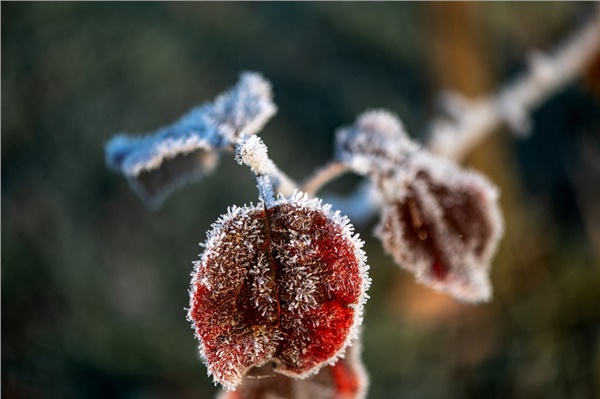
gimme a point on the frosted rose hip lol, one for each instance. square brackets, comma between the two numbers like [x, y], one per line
[443, 224]
[377, 141]
[346, 379]
[438, 220]
[284, 285]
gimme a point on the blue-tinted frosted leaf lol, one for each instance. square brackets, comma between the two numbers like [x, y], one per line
[159, 162]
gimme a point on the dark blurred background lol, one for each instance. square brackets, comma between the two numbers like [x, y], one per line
[94, 285]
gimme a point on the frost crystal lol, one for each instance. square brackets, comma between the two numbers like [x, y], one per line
[346, 379]
[253, 152]
[439, 221]
[376, 141]
[284, 284]
[185, 151]
[443, 224]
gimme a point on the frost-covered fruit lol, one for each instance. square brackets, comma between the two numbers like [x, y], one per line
[284, 284]
[346, 379]
[376, 141]
[442, 223]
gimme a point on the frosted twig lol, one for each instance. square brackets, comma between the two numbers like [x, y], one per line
[252, 152]
[472, 120]
[323, 176]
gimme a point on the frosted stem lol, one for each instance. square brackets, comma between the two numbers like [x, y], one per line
[252, 152]
[323, 176]
[472, 120]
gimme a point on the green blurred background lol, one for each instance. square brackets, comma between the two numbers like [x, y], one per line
[94, 285]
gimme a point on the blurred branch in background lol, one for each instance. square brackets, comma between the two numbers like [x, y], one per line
[471, 115]
[471, 120]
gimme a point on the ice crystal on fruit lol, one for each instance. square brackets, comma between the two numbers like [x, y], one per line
[443, 224]
[376, 141]
[159, 162]
[346, 379]
[283, 283]
[438, 221]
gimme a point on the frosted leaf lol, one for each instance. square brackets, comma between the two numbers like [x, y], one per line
[188, 160]
[346, 379]
[185, 151]
[284, 284]
[245, 109]
[442, 223]
[375, 141]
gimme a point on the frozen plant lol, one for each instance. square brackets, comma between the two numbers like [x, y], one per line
[281, 285]
[277, 296]
[438, 221]
[281, 282]
[187, 150]
[346, 379]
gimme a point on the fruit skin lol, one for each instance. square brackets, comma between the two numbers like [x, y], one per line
[438, 220]
[284, 284]
[442, 223]
[346, 379]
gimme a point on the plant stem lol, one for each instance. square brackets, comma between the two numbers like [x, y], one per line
[251, 151]
[323, 176]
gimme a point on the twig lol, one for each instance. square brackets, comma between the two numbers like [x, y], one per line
[251, 151]
[323, 176]
[472, 120]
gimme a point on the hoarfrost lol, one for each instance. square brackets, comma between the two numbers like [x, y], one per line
[251, 151]
[284, 283]
[443, 224]
[160, 162]
[438, 221]
[345, 379]
[376, 141]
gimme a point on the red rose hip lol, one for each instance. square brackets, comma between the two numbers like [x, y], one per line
[283, 284]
